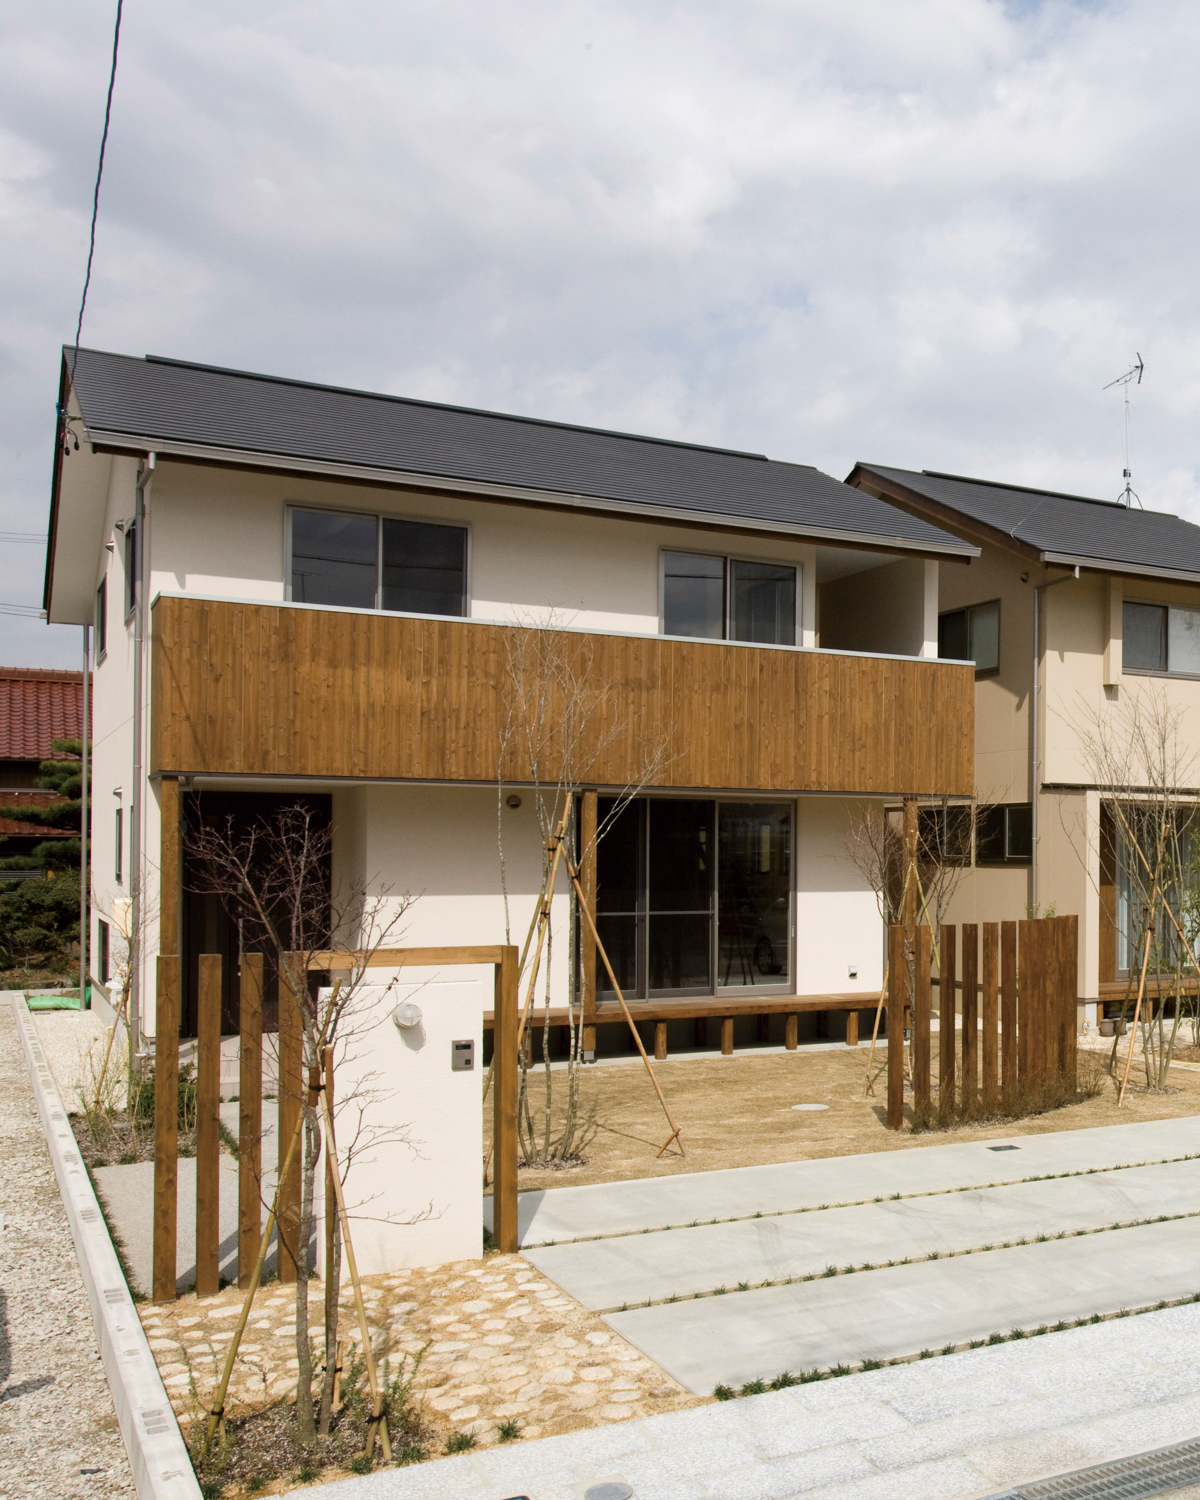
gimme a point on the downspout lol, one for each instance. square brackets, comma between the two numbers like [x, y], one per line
[145, 477]
[85, 867]
[1035, 763]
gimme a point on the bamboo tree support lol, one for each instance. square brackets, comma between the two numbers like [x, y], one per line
[216, 1415]
[1137, 1009]
[875, 1033]
[378, 1423]
[573, 872]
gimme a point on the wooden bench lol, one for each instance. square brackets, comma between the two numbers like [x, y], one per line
[661, 1012]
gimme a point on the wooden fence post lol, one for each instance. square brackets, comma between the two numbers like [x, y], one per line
[1030, 965]
[505, 1082]
[920, 1025]
[249, 1115]
[970, 1012]
[1008, 1007]
[166, 1127]
[208, 1116]
[989, 1010]
[897, 993]
[291, 1092]
[1067, 974]
[947, 1014]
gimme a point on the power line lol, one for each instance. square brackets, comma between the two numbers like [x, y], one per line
[87, 280]
[26, 611]
[22, 536]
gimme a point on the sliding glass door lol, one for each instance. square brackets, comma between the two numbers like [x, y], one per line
[694, 897]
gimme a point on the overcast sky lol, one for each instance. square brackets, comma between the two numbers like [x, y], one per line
[919, 232]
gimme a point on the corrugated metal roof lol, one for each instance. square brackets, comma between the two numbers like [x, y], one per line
[38, 705]
[168, 401]
[1063, 528]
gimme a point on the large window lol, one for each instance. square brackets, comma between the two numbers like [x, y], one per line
[694, 896]
[729, 598]
[972, 635]
[1161, 638]
[378, 562]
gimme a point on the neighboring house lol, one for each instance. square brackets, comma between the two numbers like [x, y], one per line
[331, 585]
[1114, 595]
[37, 706]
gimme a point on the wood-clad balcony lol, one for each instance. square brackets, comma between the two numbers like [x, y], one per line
[250, 689]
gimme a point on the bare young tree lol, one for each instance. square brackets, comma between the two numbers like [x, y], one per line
[274, 878]
[1144, 762]
[561, 720]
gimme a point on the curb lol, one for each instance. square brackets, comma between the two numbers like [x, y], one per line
[158, 1455]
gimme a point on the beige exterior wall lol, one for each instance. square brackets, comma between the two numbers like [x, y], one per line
[223, 532]
[893, 608]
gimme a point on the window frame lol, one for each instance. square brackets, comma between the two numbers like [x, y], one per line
[103, 950]
[784, 984]
[100, 623]
[379, 516]
[1127, 671]
[132, 566]
[1005, 861]
[968, 609]
[119, 847]
[726, 558]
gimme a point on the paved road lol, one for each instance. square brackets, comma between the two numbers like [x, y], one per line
[58, 1430]
[954, 1428]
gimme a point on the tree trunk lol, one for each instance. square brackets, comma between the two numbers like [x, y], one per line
[305, 1422]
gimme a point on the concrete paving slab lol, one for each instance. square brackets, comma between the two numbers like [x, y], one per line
[630, 1269]
[558, 1214]
[902, 1310]
[127, 1195]
[865, 1428]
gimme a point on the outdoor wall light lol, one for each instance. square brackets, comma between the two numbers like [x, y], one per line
[407, 1015]
[514, 801]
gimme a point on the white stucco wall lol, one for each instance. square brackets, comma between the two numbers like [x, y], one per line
[413, 1190]
[837, 917]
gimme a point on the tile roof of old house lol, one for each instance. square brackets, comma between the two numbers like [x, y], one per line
[37, 705]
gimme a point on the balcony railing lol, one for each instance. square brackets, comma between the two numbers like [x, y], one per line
[255, 689]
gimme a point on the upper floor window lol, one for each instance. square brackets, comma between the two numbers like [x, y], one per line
[972, 634]
[131, 568]
[378, 562]
[1161, 638]
[729, 598]
[101, 642]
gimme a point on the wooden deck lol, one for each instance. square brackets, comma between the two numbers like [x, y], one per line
[725, 1010]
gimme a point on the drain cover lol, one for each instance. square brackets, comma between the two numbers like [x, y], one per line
[1004, 1148]
[613, 1490]
[1136, 1478]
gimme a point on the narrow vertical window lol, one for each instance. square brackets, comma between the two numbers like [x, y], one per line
[119, 845]
[102, 952]
[101, 646]
[131, 568]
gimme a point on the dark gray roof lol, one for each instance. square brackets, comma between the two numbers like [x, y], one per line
[168, 402]
[1070, 529]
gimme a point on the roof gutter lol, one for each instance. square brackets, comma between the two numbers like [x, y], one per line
[1129, 570]
[248, 458]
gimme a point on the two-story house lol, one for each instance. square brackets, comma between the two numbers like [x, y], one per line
[1073, 609]
[303, 591]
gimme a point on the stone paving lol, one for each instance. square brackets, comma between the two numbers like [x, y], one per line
[503, 1343]
[958, 1427]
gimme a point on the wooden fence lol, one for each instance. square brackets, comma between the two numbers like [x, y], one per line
[1018, 1012]
[290, 1097]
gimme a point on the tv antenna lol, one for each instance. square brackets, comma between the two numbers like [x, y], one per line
[1128, 494]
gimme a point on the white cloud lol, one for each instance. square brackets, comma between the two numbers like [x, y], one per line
[925, 234]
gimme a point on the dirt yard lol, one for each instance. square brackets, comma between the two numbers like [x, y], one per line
[738, 1112]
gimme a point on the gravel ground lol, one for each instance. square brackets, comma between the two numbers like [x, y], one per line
[58, 1430]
